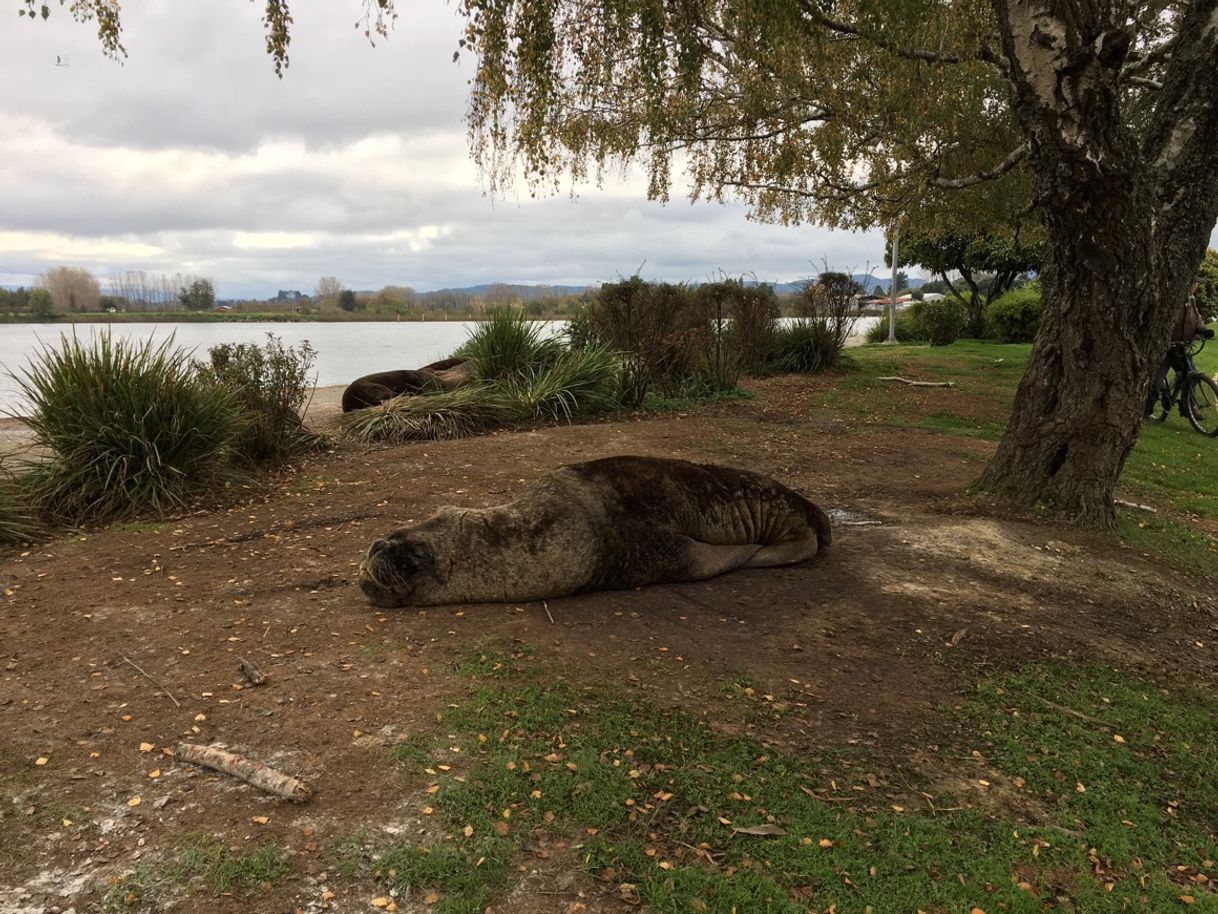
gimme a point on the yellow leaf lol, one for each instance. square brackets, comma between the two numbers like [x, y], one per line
[154, 773]
[41, 760]
[430, 898]
[825, 842]
[427, 810]
[146, 747]
[468, 831]
[976, 911]
[1187, 899]
[261, 820]
[1117, 738]
[135, 801]
[381, 901]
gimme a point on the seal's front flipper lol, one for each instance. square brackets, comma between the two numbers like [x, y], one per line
[706, 560]
[787, 553]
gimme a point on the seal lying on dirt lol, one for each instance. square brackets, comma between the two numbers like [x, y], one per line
[373, 389]
[608, 524]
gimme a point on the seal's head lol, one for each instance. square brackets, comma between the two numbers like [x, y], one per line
[398, 570]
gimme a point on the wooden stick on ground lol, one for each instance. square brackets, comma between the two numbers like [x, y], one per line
[143, 673]
[920, 383]
[252, 674]
[256, 773]
[546, 607]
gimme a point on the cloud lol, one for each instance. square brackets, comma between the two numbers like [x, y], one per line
[192, 157]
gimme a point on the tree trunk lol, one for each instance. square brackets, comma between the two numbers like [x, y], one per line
[1076, 414]
[1126, 224]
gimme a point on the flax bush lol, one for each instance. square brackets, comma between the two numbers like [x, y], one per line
[129, 428]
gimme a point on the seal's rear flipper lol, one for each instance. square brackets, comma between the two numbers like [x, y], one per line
[707, 561]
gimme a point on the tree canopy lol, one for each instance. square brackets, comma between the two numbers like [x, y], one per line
[1101, 117]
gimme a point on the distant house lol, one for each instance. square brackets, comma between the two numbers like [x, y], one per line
[933, 296]
[224, 307]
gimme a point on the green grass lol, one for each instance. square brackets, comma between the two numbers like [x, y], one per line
[648, 800]
[1171, 467]
[198, 864]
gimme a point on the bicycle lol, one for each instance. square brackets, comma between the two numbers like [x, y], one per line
[1194, 392]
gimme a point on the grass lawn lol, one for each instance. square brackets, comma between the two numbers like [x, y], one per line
[1172, 467]
[1104, 795]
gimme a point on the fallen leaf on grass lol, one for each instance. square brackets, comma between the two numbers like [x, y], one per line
[760, 830]
[261, 820]
[146, 747]
[40, 761]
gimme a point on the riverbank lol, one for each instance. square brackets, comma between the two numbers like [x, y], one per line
[752, 736]
[256, 317]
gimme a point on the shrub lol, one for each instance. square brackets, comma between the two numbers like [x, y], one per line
[830, 303]
[270, 385]
[1015, 317]
[909, 329]
[805, 345]
[742, 320]
[509, 344]
[647, 324]
[130, 428]
[943, 320]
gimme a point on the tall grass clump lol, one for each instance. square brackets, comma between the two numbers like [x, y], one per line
[577, 383]
[130, 428]
[805, 345]
[17, 524]
[459, 413]
[909, 329]
[508, 343]
[270, 385]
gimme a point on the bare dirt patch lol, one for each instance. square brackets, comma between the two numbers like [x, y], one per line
[860, 648]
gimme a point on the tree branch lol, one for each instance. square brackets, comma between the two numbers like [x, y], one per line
[1016, 156]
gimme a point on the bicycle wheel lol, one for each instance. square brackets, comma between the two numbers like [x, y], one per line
[1203, 404]
[1163, 405]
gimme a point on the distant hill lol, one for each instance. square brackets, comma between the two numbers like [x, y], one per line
[867, 280]
[511, 290]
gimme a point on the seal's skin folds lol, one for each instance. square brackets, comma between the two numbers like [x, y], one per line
[609, 524]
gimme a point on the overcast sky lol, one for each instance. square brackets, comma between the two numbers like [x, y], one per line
[193, 157]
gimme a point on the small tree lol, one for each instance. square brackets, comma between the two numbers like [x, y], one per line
[986, 262]
[328, 290]
[200, 295]
[72, 289]
[1207, 289]
[829, 303]
[346, 300]
[42, 306]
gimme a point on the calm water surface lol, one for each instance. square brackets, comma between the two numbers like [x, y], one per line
[344, 350]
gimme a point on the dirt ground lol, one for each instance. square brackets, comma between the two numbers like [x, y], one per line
[130, 636]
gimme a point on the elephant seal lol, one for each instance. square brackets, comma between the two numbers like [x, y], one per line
[374, 389]
[609, 524]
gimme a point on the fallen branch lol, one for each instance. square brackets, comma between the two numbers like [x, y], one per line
[255, 773]
[252, 674]
[143, 673]
[1133, 505]
[919, 383]
[546, 607]
[1077, 714]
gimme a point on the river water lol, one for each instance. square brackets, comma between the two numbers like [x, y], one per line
[345, 350]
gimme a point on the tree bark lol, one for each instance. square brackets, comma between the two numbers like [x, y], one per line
[1118, 258]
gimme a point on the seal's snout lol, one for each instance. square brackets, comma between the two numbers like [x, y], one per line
[379, 546]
